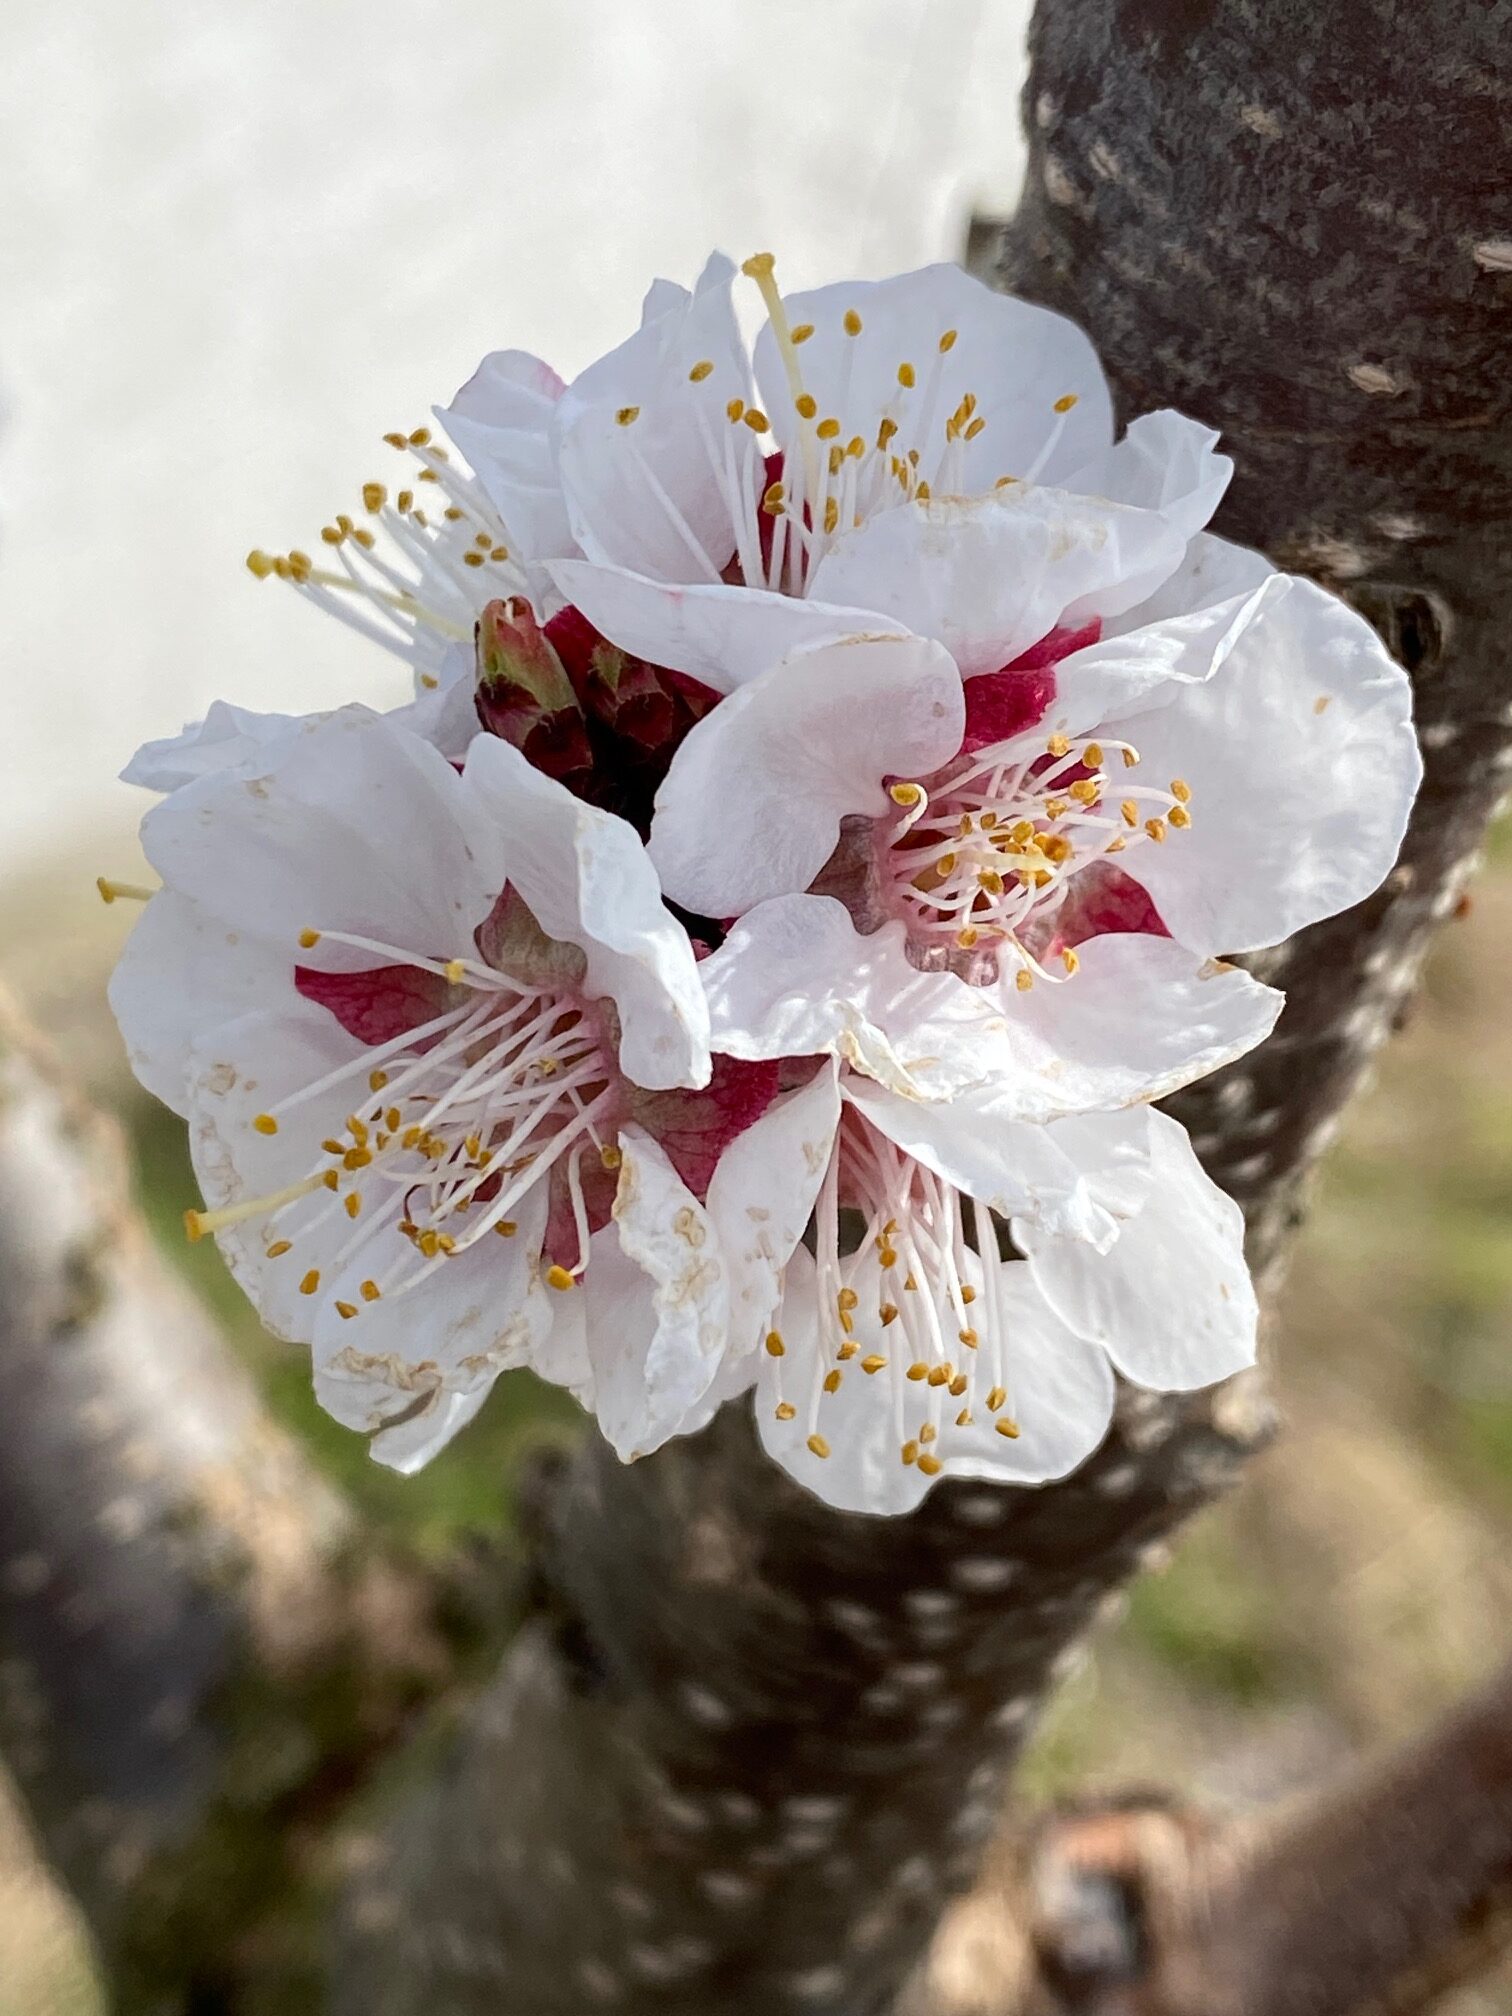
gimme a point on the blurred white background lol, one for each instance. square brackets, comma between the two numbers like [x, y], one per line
[239, 241]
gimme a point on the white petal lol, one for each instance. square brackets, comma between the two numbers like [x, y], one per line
[1015, 359]
[658, 1303]
[1131, 672]
[1213, 570]
[425, 1361]
[443, 712]
[1303, 766]
[752, 804]
[228, 737]
[794, 978]
[587, 881]
[1060, 1394]
[989, 576]
[1166, 463]
[1142, 1017]
[182, 974]
[501, 420]
[348, 825]
[650, 492]
[975, 1143]
[1171, 1302]
[723, 636]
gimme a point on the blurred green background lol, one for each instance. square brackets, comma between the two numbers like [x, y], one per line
[1357, 1581]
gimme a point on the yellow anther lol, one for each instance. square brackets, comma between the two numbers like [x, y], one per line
[1058, 746]
[346, 1310]
[756, 420]
[918, 1370]
[472, 559]
[704, 368]
[803, 332]
[886, 1255]
[734, 410]
[1179, 816]
[1069, 959]
[610, 1155]
[330, 1179]
[259, 563]
[963, 1419]
[370, 1291]
[855, 448]
[827, 430]
[967, 937]
[774, 1344]
[310, 1282]
[1056, 847]
[832, 1381]
[420, 437]
[276, 1251]
[396, 440]
[1007, 1427]
[1181, 791]
[1085, 790]
[910, 1282]
[506, 1228]
[931, 1465]
[308, 938]
[1065, 402]
[929, 1432]
[356, 1158]
[1055, 808]
[948, 341]
[958, 1385]
[265, 1124]
[906, 794]
[127, 892]
[807, 405]
[910, 1452]
[374, 496]
[847, 1299]
[786, 1410]
[558, 1277]
[831, 514]
[772, 502]
[498, 552]
[331, 535]
[1130, 757]
[301, 566]
[1023, 980]
[393, 1119]
[1156, 828]
[1092, 756]
[455, 968]
[969, 1338]
[759, 266]
[352, 1203]
[996, 1398]
[922, 494]
[627, 414]
[405, 501]
[874, 1362]
[907, 377]
[818, 1446]
[1129, 811]
[888, 1314]
[885, 432]
[990, 880]
[848, 1349]
[377, 1080]
[975, 428]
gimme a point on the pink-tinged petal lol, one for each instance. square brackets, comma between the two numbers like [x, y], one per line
[1302, 764]
[1060, 1397]
[410, 1370]
[1020, 364]
[1102, 898]
[1000, 705]
[587, 882]
[794, 978]
[694, 1129]
[752, 804]
[658, 1303]
[721, 635]
[988, 576]
[377, 1003]
[1166, 463]
[1171, 1301]
[646, 485]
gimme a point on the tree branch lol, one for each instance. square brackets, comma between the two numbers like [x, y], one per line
[194, 1650]
[754, 1747]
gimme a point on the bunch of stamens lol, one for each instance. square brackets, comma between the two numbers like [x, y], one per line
[1003, 835]
[464, 1114]
[412, 580]
[910, 1282]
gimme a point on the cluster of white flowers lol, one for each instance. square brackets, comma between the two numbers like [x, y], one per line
[835, 776]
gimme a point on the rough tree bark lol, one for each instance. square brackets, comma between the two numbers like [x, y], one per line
[757, 1745]
[747, 1749]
